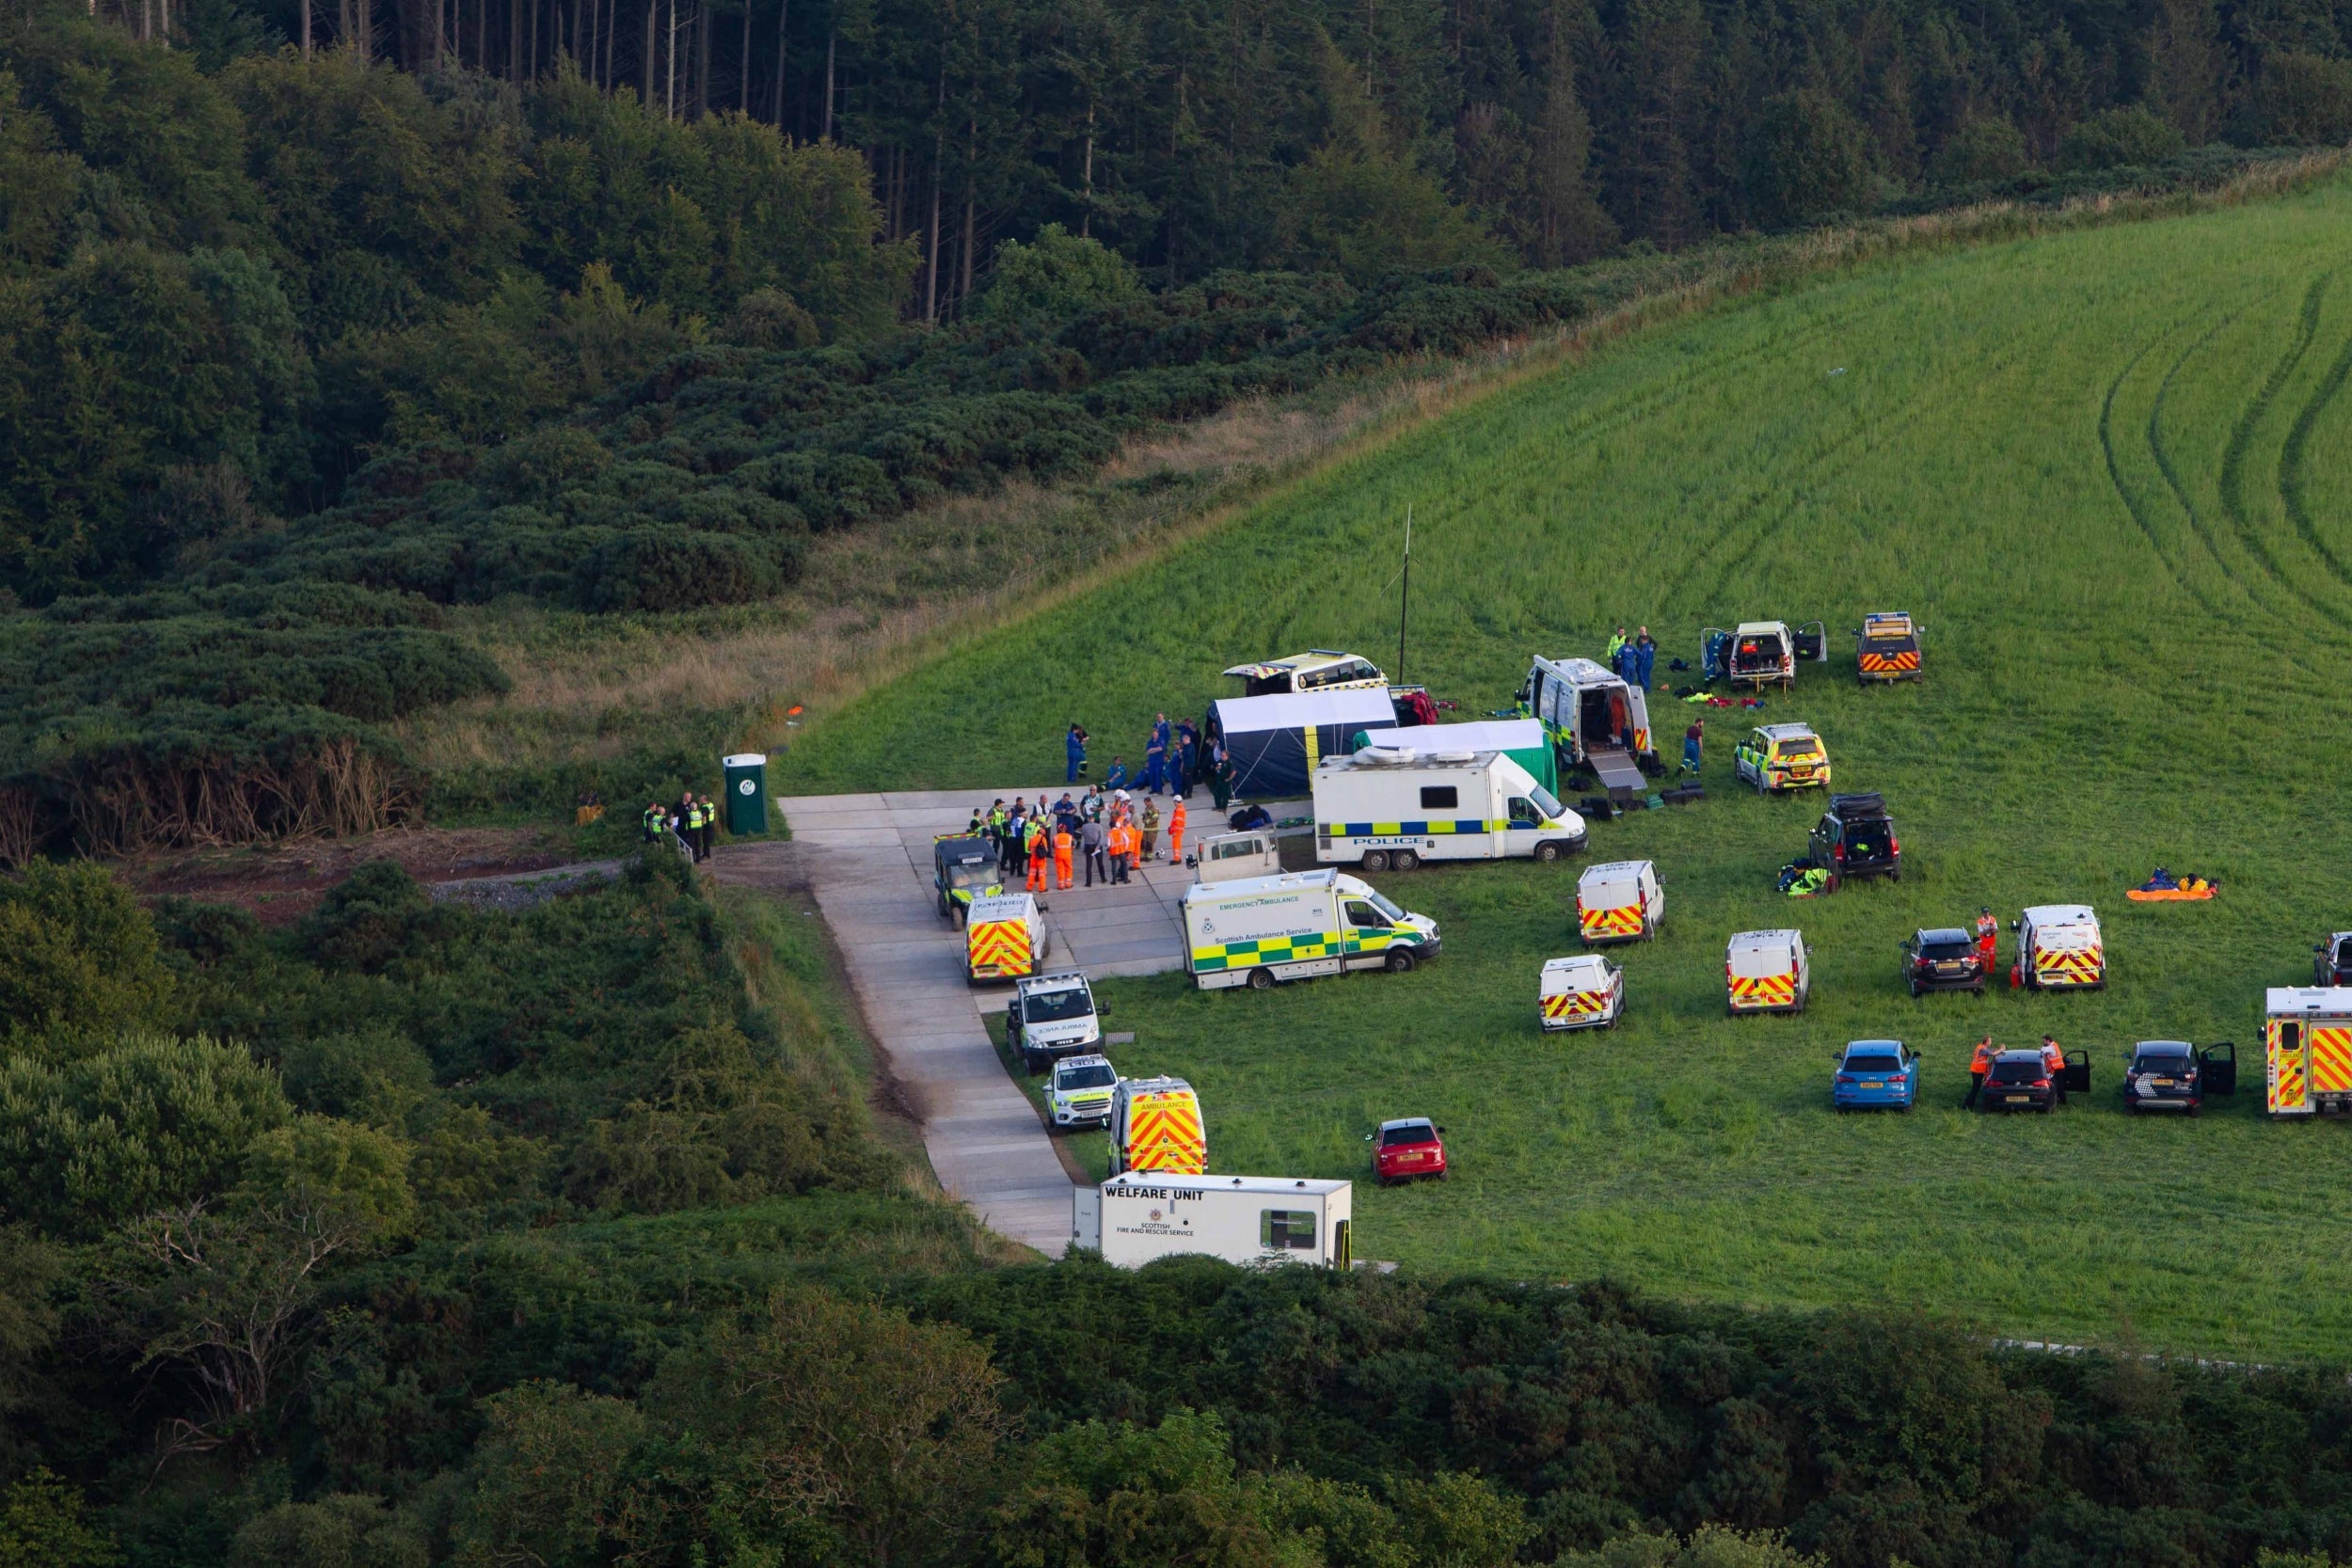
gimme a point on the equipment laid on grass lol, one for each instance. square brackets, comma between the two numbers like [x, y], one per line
[2307, 1049]
[1520, 740]
[1384, 807]
[2058, 947]
[1804, 878]
[1887, 648]
[1004, 935]
[1406, 1150]
[1780, 758]
[1274, 743]
[1242, 1219]
[1228, 856]
[2174, 1075]
[1595, 719]
[1766, 972]
[1080, 1094]
[1316, 669]
[964, 867]
[1944, 958]
[1875, 1074]
[2331, 960]
[1155, 1126]
[1583, 991]
[1051, 1016]
[1760, 653]
[1619, 901]
[1856, 838]
[2165, 888]
[1296, 926]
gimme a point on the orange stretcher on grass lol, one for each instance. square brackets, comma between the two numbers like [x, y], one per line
[2165, 888]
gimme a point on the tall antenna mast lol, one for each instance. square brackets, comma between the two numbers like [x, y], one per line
[1404, 601]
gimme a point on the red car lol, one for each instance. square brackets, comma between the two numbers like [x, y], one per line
[1408, 1148]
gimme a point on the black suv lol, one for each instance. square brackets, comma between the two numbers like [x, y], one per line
[2173, 1075]
[1856, 838]
[1946, 958]
[2331, 960]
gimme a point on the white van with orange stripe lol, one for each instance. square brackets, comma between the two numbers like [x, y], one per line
[1004, 937]
[2307, 1049]
[1585, 991]
[2058, 947]
[1766, 972]
[1621, 901]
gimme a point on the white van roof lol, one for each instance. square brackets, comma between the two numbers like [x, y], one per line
[2061, 915]
[1779, 938]
[2318, 1001]
[1613, 871]
[1263, 1185]
[1584, 671]
[1561, 975]
[1244, 887]
[1380, 757]
[1758, 628]
[1001, 906]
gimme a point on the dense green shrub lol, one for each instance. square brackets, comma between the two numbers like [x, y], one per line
[2129, 136]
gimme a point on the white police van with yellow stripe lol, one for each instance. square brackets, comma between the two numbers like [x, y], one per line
[1391, 808]
[1296, 926]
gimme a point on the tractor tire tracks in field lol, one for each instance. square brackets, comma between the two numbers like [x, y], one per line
[2233, 462]
[2291, 459]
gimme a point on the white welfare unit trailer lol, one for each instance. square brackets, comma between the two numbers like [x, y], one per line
[1387, 807]
[1135, 1218]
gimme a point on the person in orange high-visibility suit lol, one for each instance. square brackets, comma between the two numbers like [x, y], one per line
[1176, 834]
[1065, 847]
[1122, 847]
[1979, 1064]
[1040, 844]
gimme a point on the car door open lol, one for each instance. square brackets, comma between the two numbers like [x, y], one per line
[2220, 1061]
[2076, 1077]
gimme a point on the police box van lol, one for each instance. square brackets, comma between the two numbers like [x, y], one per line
[1296, 926]
[1391, 808]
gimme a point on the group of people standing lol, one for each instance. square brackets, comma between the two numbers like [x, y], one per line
[1633, 657]
[1175, 758]
[1107, 828]
[692, 821]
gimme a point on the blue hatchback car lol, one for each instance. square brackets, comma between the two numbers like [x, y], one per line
[1876, 1075]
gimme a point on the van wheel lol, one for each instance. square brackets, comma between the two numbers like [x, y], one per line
[1404, 860]
[1547, 852]
[1030, 1063]
[1401, 960]
[1261, 978]
[1376, 860]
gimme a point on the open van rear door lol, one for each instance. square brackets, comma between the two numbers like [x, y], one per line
[1714, 643]
[1813, 641]
[1642, 740]
[2076, 1077]
[2221, 1068]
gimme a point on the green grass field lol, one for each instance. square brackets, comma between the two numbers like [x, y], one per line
[2110, 471]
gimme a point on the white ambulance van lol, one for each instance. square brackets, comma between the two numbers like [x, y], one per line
[1766, 972]
[1295, 926]
[1251, 1220]
[1393, 808]
[2059, 947]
